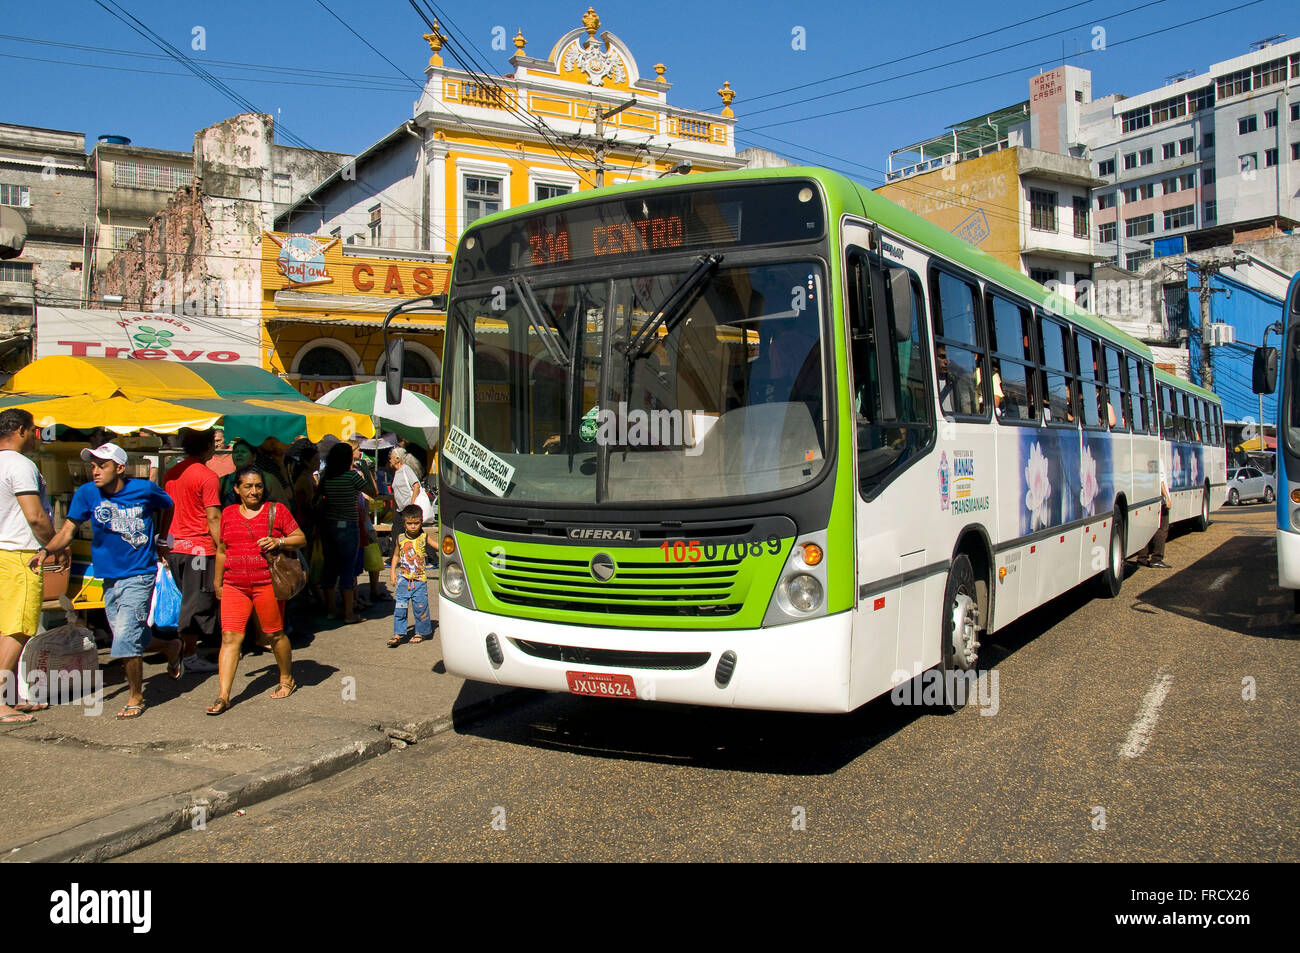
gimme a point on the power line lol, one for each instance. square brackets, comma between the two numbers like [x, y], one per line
[1019, 69]
[951, 63]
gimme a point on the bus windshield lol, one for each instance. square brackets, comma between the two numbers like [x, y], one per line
[700, 381]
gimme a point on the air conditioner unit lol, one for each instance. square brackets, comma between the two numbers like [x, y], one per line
[1221, 333]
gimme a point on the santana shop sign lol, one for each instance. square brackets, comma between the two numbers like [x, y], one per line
[302, 260]
[146, 337]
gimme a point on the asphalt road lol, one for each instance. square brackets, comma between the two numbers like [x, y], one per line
[1157, 726]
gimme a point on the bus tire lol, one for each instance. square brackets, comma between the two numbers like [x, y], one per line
[1112, 577]
[1202, 521]
[959, 650]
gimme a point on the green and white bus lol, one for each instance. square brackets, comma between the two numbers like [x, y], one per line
[764, 439]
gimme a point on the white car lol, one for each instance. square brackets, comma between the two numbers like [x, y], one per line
[1249, 483]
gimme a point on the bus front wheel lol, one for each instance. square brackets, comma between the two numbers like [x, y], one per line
[960, 647]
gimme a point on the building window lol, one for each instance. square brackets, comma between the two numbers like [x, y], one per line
[1185, 146]
[1211, 211]
[1207, 177]
[1270, 118]
[1105, 200]
[1207, 141]
[1042, 210]
[1137, 193]
[1131, 160]
[122, 235]
[1249, 161]
[376, 224]
[325, 361]
[1145, 157]
[1268, 74]
[1169, 186]
[1169, 150]
[1295, 112]
[1203, 98]
[1134, 259]
[283, 188]
[1295, 151]
[1234, 84]
[1184, 217]
[1141, 225]
[1080, 217]
[1045, 276]
[139, 175]
[1106, 232]
[15, 271]
[1270, 158]
[1247, 124]
[482, 197]
[15, 195]
[1106, 167]
[1168, 109]
[548, 191]
[1135, 119]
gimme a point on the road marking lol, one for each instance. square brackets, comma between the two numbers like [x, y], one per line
[1218, 583]
[1139, 736]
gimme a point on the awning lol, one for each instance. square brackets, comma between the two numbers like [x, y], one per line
[1270, 443]
[126, 395]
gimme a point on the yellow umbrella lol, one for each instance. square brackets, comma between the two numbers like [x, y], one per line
[118, 414]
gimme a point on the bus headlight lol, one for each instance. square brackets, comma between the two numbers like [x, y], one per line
[453, 579]
[803, 592]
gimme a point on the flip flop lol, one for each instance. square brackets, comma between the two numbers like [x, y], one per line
[292, 686]
[175, 670]
[395, 641]
[23, 718]
[417, 639]
[218, 707]
[31, 706]
[123, 714]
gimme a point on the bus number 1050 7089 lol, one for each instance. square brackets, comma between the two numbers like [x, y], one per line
[692, 550]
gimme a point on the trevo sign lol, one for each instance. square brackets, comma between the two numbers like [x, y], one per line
[147, 336]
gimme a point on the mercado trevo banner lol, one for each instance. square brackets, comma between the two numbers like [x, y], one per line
[147, 336]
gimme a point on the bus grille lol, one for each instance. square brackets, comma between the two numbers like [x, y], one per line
[638, 587]
[614, 658]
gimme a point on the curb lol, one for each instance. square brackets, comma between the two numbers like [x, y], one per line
[131, 828]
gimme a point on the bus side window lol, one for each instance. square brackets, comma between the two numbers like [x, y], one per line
[960, 362]
[1013, 370]
[887, 444]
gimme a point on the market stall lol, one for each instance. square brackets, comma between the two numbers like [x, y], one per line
[85, 400]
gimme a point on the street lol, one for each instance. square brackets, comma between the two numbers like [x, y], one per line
[1154, 727]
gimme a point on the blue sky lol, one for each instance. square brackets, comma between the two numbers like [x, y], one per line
[328, 89]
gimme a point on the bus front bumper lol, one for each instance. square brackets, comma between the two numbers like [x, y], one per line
[1288, 559]
[803, 666]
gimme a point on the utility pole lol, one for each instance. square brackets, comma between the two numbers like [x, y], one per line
[602, 147]
[1207, 269]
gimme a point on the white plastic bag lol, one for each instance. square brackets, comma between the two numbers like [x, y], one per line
[58, 666]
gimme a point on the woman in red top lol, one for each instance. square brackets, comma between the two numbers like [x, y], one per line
[242, 580]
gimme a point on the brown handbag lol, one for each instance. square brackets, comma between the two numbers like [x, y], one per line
[288, 570]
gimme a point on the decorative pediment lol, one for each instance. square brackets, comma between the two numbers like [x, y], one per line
[605, 61]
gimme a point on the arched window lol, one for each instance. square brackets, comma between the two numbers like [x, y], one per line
[325, 361]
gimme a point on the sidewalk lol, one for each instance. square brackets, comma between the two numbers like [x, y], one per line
[81, 785]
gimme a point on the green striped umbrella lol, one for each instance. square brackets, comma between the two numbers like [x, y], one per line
[415, 418]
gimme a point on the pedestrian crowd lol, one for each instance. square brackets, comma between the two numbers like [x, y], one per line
[264, 534]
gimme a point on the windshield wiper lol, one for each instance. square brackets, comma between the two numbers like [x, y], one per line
[547, 333]
[675, 305]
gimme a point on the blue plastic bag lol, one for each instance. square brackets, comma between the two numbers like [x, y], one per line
[165, 609]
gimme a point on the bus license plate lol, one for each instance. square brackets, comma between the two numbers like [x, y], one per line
[601, 684]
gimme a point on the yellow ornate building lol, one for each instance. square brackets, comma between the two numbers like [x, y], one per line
[383, 228]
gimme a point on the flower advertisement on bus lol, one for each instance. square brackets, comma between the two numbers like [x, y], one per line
[1067, 475]
[1187, 468]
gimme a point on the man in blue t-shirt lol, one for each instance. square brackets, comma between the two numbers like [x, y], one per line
[124, 554]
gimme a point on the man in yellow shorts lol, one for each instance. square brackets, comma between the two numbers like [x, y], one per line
[25, 527]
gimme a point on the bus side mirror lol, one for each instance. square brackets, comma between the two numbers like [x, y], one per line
[393, 370]
[1264, 374]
